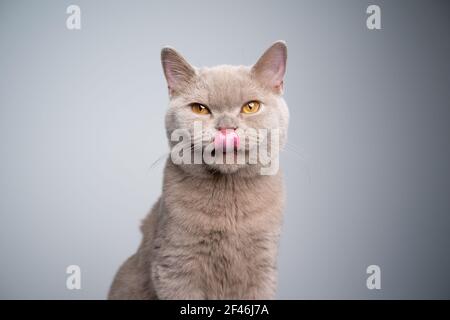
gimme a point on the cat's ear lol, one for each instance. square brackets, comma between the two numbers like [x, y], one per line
[177, 70]
[271, 67]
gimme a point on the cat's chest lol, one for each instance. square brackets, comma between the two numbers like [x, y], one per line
[233, 262]
[236, 249]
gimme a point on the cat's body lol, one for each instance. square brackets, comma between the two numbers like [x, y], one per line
[213, 234]
[195, 250]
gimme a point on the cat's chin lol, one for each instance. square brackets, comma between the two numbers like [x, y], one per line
[210, 170]
[225, 168]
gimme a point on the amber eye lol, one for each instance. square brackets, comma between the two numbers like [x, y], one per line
[199, 108]
[251, 107]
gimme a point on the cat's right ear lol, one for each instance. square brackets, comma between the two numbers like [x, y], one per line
[177, 70]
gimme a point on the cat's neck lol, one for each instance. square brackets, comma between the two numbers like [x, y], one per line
[222, 201]
[176, 174]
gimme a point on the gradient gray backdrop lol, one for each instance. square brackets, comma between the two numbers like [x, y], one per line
[367, 171]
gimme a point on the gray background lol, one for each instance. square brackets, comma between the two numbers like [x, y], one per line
[367, 170]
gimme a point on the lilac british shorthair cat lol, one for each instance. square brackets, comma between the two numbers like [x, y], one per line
[214, 232]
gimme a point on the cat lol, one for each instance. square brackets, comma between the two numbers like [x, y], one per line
[214, 232]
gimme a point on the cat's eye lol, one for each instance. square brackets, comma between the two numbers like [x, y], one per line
[251, 107]
[199, 108]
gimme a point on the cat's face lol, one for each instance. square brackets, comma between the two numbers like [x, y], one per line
[230, 104]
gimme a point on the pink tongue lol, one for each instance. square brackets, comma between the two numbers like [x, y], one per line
[227, 140]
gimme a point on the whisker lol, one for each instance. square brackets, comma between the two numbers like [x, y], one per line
[158, 160]
[303, 157]
[299, 153]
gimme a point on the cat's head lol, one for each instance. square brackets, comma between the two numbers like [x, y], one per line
[227, 105]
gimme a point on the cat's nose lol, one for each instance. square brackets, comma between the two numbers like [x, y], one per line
[226, 139]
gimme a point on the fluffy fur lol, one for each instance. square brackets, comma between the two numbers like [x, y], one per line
[213, 234]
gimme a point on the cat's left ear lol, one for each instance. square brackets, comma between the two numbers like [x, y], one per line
[271, 67]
